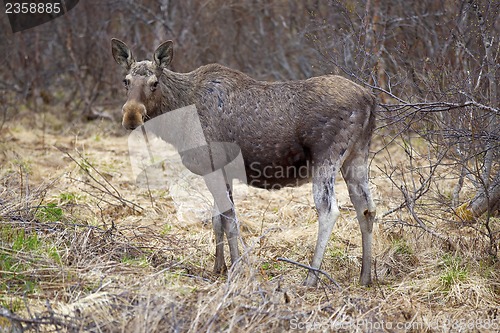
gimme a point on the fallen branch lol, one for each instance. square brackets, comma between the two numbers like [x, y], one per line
[103, 185]
[314, 270]
[18, 324]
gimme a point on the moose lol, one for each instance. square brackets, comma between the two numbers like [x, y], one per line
[289, 133]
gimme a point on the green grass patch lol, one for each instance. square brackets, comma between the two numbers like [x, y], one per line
[402, 247]
[12, 304]
[69, 197]
[14, 268]
[15, 276]
[22, 252]
[141, 261]
[338, 254]
[454, 271]
[271, 265]
[166, 229]
[25, 242]
[270, 270]
[51, 212]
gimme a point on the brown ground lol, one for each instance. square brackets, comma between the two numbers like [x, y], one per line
[134, 259]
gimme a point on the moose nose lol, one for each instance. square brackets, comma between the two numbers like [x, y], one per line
[133, 115]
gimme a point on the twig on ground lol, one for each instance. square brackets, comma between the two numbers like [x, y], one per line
[315, 270]
[102, 187]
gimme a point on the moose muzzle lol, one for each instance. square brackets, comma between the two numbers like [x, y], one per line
[133, 114]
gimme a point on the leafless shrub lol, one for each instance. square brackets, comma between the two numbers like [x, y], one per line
[433, 66]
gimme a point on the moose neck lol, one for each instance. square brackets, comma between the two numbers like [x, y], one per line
[177, 90]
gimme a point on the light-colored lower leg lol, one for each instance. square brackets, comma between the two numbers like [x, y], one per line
[326, 221]
[356, 176]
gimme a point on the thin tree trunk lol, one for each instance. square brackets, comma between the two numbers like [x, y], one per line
[488, 193]
[486, 200]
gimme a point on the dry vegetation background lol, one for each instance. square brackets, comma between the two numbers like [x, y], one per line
[83, 249]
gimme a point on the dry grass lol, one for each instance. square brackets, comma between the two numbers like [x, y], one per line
[82, 257]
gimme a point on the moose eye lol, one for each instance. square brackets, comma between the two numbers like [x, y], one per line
[154, 85]
[126, 83]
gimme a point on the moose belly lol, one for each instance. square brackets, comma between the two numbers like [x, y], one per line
[292, 168]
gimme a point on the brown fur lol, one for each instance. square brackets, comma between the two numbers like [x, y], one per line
[317, 126]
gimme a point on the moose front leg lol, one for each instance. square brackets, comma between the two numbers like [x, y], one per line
[230, 225]
[220, 263]
[224, 218]
[225, 223]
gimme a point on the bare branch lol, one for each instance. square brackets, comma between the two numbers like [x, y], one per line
[312, 269]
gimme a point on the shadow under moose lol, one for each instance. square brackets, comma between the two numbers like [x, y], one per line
[287, 133]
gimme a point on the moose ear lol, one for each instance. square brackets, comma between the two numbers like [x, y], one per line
[164, 54]
[121, 53]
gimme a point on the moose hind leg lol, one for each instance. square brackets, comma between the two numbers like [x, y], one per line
[328, 213]
[355, 173]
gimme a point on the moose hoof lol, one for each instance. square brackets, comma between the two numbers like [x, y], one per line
[310, 281]
[365, 281]
[220, 268]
